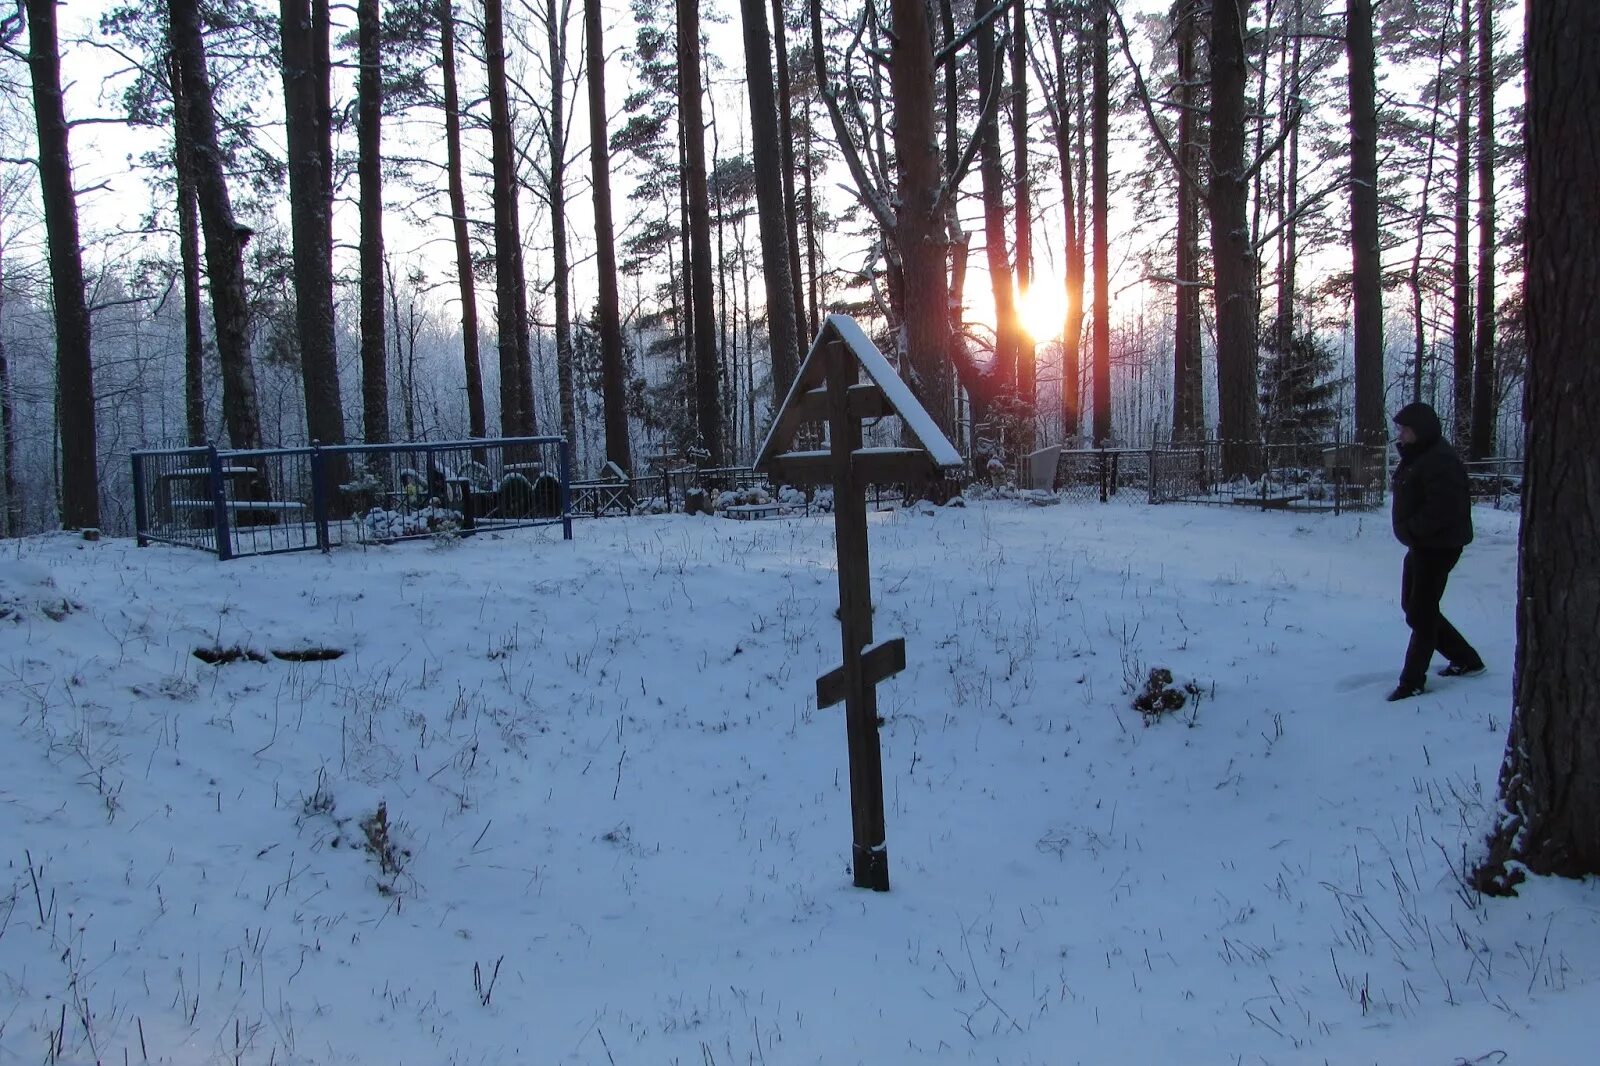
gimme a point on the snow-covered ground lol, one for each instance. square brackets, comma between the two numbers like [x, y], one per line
[622, 829]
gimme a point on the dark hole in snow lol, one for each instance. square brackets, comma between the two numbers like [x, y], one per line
[307, 655]
[217, 656]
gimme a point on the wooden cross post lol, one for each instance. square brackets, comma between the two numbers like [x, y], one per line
[856, 681]
[828, 389]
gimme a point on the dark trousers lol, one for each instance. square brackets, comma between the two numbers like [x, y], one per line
[1422, 582]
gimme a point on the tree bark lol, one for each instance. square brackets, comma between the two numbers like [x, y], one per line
[1483, 375]
[1233, 258]
[708, 408]
[1461, 268]
[1188, 414]
[194, 396]
[369, 166]
[466, 282]
[511, 293]
[1366, 268]
[1064, 104]
[1550, 780]
[1099, 137]
[1027, 368]
[556, 34]
[919, 225]
[224, 235]
[782, 326]
[791, 203]
[308, 136]
[613, 382]
[1004, 374]
[80, 494]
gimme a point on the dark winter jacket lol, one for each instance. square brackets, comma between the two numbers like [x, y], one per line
[1432, 506]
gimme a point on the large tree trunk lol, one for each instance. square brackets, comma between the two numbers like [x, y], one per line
[194, 395]
[1188, 405]
[80, 494]
[511, 293]
[1366, 272]
[708, 408]
[1100, 150]
[1027, 368]
[1289, 239]
[556, 34]
[791, 204]
[1461, 268]
[1483, 377]
[1004, 374]
[919, 224]
[1233, 258]
[1550, 780]
[783, 329]
[476, 417]
[613, 383]
[1066, 100]
[308, 137]
[369, 116]
[224, 236]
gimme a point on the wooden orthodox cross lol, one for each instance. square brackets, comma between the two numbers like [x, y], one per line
[829, 389]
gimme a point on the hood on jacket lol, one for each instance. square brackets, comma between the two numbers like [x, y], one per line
[1422, 419]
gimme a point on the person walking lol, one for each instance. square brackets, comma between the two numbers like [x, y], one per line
[1432, 515]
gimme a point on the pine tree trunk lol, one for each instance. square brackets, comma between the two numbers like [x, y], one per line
[369, 116]
[308, 136]
[511, 295]
[1100, 151]
[708, 408]
[1004, 375]
[1483, 375]
[1461, 268]
[224, 236]
[613, 381]
[1233, 259]
[555, 28]
[1289, 243]
[783, 330]
[476, 417]
[194, 396]
[1366, 272]
[1188, 415]
[791, 203]
[80, 494]
[1027, 368]
[919, 226]
[1550, 780]
[1066, 104]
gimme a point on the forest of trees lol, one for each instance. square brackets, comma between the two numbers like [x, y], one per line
[1091, 221]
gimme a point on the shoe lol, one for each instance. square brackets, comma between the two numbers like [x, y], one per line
[1461, 670]
[1404, 691]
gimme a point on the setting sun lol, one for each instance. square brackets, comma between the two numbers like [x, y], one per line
[1043, 309]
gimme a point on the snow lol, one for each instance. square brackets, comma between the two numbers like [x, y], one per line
[623, 829]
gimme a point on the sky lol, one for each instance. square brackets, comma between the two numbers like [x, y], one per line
[619, 828]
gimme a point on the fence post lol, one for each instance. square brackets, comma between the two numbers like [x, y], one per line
[141, 509]
[1103, 468]
[666, 489]
[566, 489]
[219, 505]
[319, 496]
[1152, 471]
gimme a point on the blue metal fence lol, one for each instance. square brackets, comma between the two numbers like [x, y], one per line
[271, 500]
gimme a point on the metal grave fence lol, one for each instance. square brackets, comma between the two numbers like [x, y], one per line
[271, 500]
